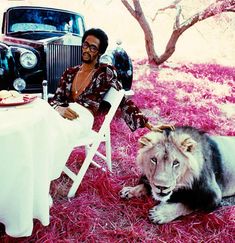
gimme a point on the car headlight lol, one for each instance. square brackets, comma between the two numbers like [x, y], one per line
[19, 84]
[28, 59]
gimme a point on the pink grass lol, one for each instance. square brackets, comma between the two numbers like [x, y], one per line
[183, 95]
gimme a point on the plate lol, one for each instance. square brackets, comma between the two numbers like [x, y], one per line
[17, 101]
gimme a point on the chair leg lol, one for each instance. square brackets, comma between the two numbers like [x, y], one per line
[108, 150]
[87, 147]
[83, 168]
[79, 177]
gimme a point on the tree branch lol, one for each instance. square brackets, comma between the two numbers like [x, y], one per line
[177, 18]
[173, 5]
[213, 9]
[129, 8]
[210, 11]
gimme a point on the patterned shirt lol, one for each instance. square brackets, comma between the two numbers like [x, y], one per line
[104, 77]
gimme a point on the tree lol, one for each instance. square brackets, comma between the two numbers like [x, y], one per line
[179, 28]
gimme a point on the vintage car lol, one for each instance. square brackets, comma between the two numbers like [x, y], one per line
[43, 42]
[39, 43]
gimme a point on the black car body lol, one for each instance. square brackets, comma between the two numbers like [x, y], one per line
[39, 43]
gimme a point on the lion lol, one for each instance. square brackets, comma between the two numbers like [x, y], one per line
[186, 170]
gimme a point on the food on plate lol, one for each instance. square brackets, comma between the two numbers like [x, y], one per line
[5, 94]
[14, 93]
[14, 97]
[10, 97]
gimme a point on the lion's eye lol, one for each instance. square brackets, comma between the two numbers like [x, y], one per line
[176, 163]
[154, 160]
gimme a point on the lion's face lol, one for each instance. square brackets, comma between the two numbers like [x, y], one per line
[168, 161]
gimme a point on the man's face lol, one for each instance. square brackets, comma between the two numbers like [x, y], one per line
[90, 49]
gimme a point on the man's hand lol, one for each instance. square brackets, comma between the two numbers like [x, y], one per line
[67, 113]
[160, 128]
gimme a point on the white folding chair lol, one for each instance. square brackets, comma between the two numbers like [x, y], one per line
[94, 139]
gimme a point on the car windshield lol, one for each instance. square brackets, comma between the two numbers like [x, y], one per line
[31, 19]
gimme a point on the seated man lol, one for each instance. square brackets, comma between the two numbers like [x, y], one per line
[88, 83]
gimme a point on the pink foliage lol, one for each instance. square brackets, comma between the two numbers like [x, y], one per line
[199, 104]
[183, 95]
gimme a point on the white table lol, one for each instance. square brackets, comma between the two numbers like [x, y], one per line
[35, 142]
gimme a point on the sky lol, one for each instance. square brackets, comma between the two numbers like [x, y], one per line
[211, 40]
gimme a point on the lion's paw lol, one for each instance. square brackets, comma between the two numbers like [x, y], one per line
[135, 191]
[159, 215]
[166, 212]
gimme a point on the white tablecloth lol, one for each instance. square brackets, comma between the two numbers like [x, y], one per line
[35, 142]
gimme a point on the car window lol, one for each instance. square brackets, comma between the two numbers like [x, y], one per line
[44, 20]
[32, 26]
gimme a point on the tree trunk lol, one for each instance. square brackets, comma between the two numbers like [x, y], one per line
[138, 14]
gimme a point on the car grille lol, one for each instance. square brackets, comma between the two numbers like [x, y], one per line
[58, 58]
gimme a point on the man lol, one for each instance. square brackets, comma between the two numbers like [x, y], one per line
[88, 83]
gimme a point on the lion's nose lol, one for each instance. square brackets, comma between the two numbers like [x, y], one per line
[162, 188]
